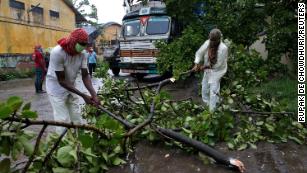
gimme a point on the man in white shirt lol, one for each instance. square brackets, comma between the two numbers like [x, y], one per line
[214, 53]
[66, 60]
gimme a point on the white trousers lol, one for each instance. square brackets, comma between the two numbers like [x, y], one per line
[65, 109]
[210, 92]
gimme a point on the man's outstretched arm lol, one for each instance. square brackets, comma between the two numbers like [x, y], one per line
[88, 84]
[61, 79]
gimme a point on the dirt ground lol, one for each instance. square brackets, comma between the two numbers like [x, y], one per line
[157, 158]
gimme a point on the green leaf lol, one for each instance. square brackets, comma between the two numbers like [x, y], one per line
[5, 146]
[295, 139]
[118, 161]
[5, 111]
[259, 123]
[86, 140]
[94, 169]
[253, 146]
[230, 100]
[29, 114]
[117, 149]
[242, 147]
[230, 145]
[105, 156]
[27, 106]
[14, 102]
[28, 147]
[62, 170]
[64, 157]
[73, 153]
[270, 127]
[104, 167]
[89, 152]
[5, 165]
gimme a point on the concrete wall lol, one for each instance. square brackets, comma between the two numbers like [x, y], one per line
[259, 46]
[16, 61]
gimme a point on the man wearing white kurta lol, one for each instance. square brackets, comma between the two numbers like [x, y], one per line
[67, 59]
[215, 67]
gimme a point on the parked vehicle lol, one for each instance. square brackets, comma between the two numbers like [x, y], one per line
[141, 28]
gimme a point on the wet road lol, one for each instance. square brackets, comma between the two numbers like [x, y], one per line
[158, 158]
[24, 88]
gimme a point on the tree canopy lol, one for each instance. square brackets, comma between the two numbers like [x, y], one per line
[240, 21]
[87, 9]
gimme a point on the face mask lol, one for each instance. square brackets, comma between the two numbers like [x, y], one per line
[79, 48]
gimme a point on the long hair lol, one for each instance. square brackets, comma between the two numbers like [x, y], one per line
[214, 42]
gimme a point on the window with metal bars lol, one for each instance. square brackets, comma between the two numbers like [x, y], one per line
[54, 14]
[17, 4]
[38, 14]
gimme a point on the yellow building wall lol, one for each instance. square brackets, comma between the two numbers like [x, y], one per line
[111, 32]
[20, 36]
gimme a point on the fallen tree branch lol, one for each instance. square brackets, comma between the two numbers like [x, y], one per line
[127, 124]
[152, 110]
[35, 148]
[216, 155]
[181, 100]
[56, 123]
[143, 98]
[155, 84]
[55, 146]
[219, 157]
[143, 87]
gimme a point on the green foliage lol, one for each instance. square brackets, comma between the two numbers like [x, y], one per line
[182, 10]
[9, 75]
[282, 89]
[5, 165]
[238, 130]
[282, 28]
[101, 69]
[179, 54]
[87, 9]
[95, 153]
[248, 68]
[241, 21]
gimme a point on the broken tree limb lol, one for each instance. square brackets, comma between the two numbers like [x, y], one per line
[143, 98]
[55, 146]
[56, 123]
[143, 87]
[35, 148]
[152, 110]
[156, 83]
[218, 156]
[127, 124]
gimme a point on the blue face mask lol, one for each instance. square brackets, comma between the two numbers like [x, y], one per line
[79, 48]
